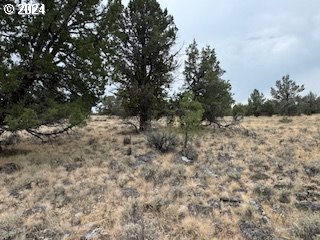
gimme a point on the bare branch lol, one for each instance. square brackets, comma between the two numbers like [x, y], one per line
[132, 124]
[41, 135]
[234, 122]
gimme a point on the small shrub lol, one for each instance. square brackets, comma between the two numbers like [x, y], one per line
[259, 175]
[132, 212]
[251, 230]
[12, 139]
[127, 140]
[312, 169]
[285, 120]
[286, 153]
[284, 197]
[249, 213]
[307, 228]
[258, 164]
[190, 152]
[9, 227]
[129, 151]
[156, 204]
[132, 231]
[149, 172]
[263, 191]
[234, 176]
[163, 141]
[92, 141]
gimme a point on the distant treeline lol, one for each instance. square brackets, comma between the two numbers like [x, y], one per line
[285, 101]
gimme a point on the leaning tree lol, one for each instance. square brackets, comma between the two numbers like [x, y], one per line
[145, 59]
[53, 66]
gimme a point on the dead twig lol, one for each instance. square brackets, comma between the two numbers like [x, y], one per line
[234, 122]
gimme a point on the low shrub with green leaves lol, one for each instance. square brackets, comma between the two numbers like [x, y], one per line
[163, 141]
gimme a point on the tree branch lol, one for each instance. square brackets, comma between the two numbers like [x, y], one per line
[41, 135]
[132, 124]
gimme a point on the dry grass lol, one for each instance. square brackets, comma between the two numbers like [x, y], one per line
[88, 185]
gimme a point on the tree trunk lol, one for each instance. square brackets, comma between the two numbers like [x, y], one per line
[145, 122]
[186, 139]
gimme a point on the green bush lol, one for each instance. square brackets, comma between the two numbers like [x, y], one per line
[163, 141]
[263, 191]
[239, 110]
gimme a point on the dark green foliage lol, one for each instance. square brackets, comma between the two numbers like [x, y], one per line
[163, 141]
[216, 100]
[255, 103]
[53, 66]
[191, 115]
[239, 110]
[286, 95]
[173, 108]
[268, 108]
[309, 104]
[203, 78]
[111, 105]
[144, 58]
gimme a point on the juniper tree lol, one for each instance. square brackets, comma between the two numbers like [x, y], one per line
[53, 66]
[309, 104]
[286, 95]
[268, 108]
[203, 78]
[145, 60]
[255, 103]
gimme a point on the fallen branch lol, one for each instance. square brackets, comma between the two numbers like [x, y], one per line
[233, 123]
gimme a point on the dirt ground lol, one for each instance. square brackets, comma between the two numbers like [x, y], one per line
[257, 180]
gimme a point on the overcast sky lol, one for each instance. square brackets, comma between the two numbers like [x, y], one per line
[256, 41]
